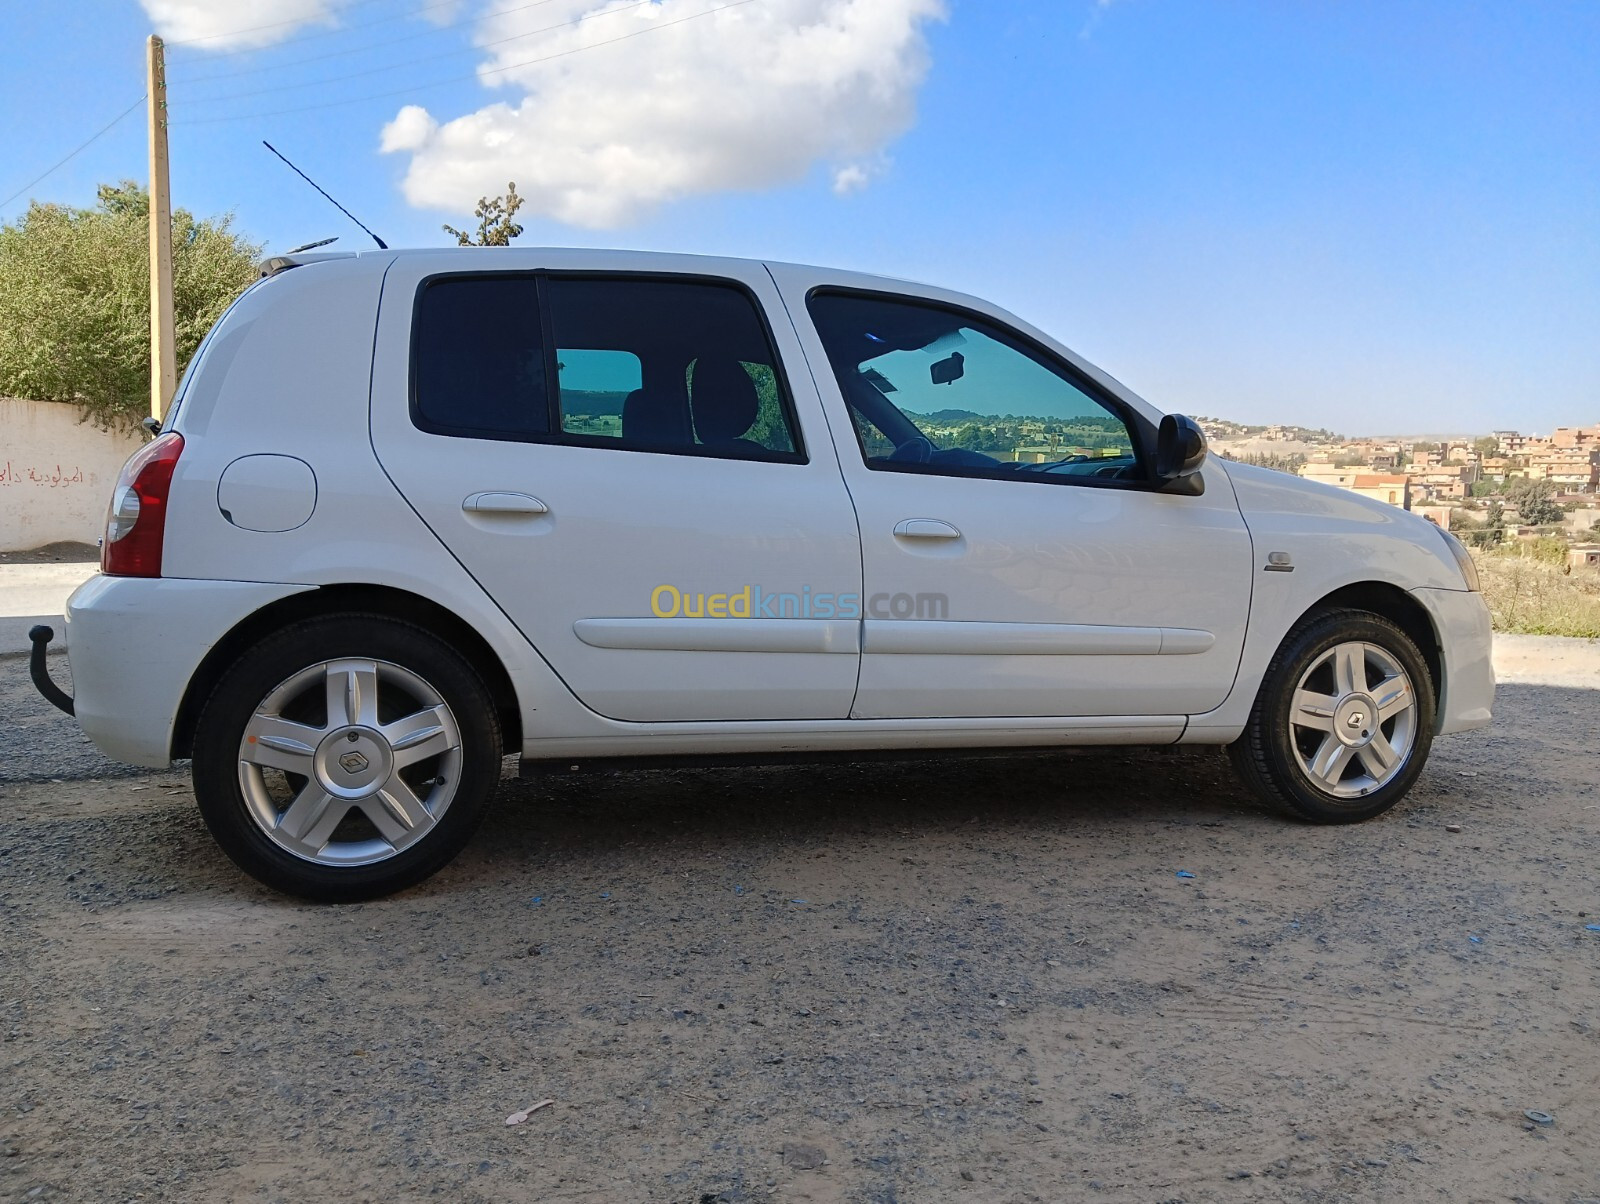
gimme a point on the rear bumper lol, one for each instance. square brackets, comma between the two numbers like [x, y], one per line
[134, 644]
[1465, 645]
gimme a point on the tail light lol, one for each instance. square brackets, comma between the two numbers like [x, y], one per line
[136, 523]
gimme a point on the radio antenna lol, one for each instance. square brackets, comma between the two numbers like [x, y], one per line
[381, 244]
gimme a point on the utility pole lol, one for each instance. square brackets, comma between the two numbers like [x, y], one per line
[163, 355]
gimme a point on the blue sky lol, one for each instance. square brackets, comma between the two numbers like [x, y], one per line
[1364, 216]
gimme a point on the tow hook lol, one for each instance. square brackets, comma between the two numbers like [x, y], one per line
[54, 694]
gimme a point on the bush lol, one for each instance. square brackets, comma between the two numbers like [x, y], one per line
[1536, 593]
[75, 299]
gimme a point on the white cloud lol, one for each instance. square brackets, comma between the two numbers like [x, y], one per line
[1096, 14]
[747, 98]
[409, 131]
[852, 177]
[238, 24]
[442, 12]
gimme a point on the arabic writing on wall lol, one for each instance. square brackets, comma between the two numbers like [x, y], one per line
[56, 477]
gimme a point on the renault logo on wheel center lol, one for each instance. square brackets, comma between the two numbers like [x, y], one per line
[353, 762]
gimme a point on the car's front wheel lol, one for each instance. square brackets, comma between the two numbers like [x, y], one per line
[1344, 720]
[346, 757]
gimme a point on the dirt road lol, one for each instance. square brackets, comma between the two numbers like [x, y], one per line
[981, 980]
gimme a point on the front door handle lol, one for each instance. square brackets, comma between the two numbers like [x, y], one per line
[925, 528]
[504, 503]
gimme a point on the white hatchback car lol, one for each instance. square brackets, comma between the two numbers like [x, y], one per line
[414, 510]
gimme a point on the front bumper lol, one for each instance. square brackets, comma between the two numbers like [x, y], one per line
[134, 644]
[1466, 643]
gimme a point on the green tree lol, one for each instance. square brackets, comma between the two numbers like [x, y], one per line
[1487, 448]
[1535, 502]
[495, 225]
[75, 299]
[771, 428]
[1493, 530]
[1291, 463]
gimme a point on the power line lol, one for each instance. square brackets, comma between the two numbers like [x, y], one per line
[430, 58]
[83, 147]
[233, 33]
[438, 83]
[349, 50]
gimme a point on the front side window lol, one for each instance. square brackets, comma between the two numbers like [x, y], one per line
[936, 390]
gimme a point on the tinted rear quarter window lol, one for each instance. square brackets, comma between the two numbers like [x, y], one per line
[478, 358]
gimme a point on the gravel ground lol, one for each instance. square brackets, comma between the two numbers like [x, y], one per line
[55, 553]
[973, 980]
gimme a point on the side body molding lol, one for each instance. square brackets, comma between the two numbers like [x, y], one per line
[917, 636]
[722, 635]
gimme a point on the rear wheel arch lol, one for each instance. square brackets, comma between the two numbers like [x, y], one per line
[338, 599]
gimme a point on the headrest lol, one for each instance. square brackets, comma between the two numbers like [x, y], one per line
[724, 399]
[652, 418]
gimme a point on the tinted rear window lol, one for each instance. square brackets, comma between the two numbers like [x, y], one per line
[479, 358]
[668, 365]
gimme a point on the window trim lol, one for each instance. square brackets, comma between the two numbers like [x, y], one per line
[542, 278]
[1141, 432]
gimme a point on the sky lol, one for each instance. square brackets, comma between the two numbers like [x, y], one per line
[1369, 216]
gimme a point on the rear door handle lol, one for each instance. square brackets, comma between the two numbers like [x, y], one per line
[925, 528]
[504, 503]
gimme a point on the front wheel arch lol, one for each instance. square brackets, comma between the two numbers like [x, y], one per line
[1395, 604]
[338, 599]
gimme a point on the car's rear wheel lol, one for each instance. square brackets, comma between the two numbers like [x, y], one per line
[1344, 720]
[346, 757]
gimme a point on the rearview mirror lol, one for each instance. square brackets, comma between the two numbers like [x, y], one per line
[950, 369]
[1180, 454]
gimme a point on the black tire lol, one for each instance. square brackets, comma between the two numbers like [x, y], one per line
[259, 673]
[1267, 757]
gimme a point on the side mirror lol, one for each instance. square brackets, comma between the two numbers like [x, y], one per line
[1180, 455]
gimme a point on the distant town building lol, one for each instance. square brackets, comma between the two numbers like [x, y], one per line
[1570, 467]
[1575, 437]
[1511, 442]
[1331, 474]
[1393, 488]
[1427, 474]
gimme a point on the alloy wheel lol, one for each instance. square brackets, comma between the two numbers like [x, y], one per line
[1353, 719]
[350, 761]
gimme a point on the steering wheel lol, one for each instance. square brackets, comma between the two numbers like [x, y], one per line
[917, 450]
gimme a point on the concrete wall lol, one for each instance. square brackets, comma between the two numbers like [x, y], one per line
[56, 474]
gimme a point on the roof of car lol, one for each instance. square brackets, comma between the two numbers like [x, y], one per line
[618, 257]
